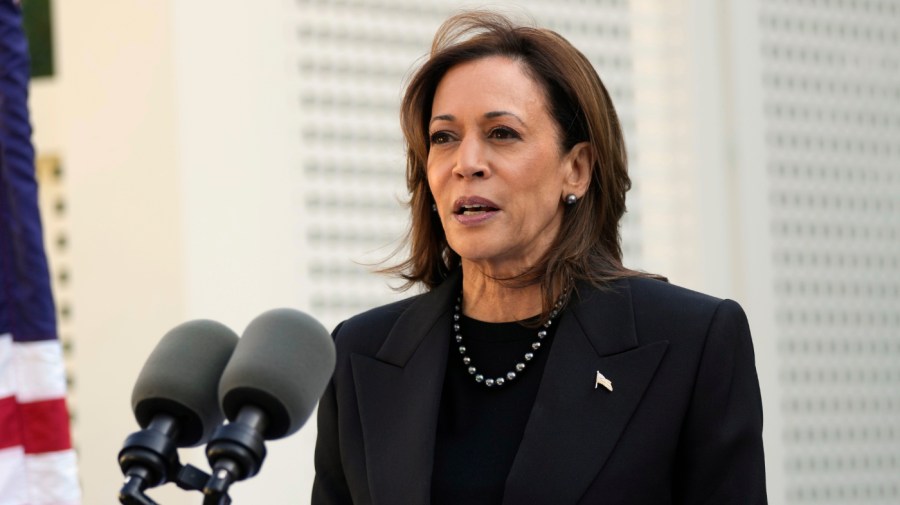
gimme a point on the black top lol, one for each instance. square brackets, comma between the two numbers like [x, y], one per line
[479, 428]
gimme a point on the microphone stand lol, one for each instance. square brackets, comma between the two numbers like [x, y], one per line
[150, 459]
[235, 452]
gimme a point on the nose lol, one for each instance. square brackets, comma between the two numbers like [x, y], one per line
[471, 159]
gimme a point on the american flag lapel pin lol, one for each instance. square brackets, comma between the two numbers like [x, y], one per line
[603, 381]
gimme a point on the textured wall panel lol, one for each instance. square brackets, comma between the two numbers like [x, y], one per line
[832, 88]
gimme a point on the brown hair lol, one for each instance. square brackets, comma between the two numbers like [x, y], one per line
[588, 244]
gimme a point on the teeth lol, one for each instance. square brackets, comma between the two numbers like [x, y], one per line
[473, 209]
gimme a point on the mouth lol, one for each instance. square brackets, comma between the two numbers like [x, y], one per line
[474, 206]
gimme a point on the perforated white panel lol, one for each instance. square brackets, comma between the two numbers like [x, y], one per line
[351, 59]
[54, 208]
[832, 107]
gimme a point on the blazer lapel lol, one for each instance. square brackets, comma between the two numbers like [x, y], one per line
[574, 426]
[399, 394]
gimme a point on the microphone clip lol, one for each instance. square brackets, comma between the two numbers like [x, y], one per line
[149, 458]
[187, 477]
[235, 452]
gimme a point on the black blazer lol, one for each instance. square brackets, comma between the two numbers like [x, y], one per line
[683, 424]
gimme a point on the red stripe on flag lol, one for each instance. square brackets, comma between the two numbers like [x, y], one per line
[46, 426]
[10, 424]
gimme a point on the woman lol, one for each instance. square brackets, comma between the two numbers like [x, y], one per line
[536, 369]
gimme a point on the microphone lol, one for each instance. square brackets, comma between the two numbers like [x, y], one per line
[174, 402]
[278, 372]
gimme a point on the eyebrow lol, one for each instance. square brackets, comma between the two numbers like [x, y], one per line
[443, 117]
[501, 113]
[488, 115]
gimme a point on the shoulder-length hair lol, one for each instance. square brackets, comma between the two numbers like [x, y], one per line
[588, 246]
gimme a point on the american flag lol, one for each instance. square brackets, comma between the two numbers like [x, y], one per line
[37, 462]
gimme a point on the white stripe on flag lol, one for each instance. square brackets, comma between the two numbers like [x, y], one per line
[7, 372]
[41, 374]
[12, 476]
[52, 478]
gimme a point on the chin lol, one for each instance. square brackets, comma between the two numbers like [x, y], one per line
[496, 257]
[474, 254]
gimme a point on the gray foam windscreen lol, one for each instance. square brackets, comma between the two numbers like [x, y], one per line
[282, 365]
[181, 378]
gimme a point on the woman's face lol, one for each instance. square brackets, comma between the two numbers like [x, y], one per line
[495, 167]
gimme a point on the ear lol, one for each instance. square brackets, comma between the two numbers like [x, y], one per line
[579, 164]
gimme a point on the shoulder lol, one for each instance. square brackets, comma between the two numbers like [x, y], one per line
[652, 291]
[407, 320]
[365, 332]
[661, 308]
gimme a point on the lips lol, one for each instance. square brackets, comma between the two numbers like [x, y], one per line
[473, 205]
[474, 210]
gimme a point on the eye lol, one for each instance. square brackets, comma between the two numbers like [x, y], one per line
[440, 137]
[503, 133]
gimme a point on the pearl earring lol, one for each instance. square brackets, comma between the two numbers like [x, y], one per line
[571, 199]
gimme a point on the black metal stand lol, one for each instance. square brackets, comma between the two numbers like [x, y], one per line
[235, 452]
[189, 478]
[149, 459]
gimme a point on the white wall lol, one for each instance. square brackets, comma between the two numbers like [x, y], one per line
[751, 240]
[109, 114]
[169, 118]
[242, 247]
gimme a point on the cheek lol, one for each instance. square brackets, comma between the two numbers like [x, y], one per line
[544, 185]
[433, 184]
[430, 170]
[437, 184]
[543, 195]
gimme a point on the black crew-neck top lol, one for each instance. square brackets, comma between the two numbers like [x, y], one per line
[479, 428]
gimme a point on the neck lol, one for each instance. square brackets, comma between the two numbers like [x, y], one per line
[488, 299]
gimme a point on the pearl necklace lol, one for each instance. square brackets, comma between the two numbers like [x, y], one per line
[511, 375]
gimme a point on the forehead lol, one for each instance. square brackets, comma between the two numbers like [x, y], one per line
[494, 82]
